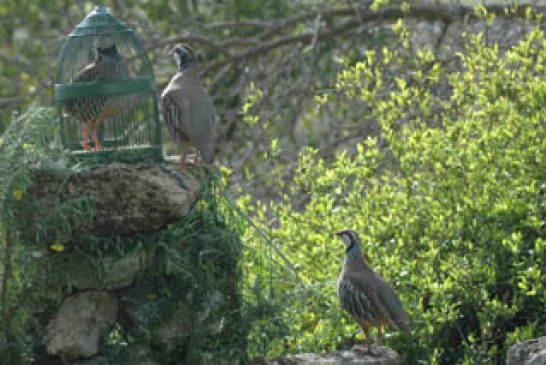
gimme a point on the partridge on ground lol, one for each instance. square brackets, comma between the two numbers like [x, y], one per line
[187, 108]
[367, 297]
[93, 110]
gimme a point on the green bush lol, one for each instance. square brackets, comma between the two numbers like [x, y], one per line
[449, 201]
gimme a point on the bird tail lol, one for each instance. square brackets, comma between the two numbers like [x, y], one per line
[403, 324]
[208, 155]
[209, 160]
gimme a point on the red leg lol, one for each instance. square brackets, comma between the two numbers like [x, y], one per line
[85, 137]
[96, 142]
[379, 334]
[367, 340]
[181, 165]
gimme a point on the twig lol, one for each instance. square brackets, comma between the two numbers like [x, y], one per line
[23, 66]
[5, 275]
[266, 237]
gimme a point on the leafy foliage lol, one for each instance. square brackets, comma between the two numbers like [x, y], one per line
[24, 144]
[192, 286]
[448, 196]
[449, 200]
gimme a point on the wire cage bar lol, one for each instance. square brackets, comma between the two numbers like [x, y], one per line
[105, 92]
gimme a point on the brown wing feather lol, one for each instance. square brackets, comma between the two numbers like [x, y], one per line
[86, 109]
[387, 306]
[172, 113]
[393, 306]
[87, 74]
[367, 297]
[357, 302]
[89, 109]
[189, 114]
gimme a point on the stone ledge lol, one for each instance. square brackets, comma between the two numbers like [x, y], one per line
[379, 356]
[532, 352]
[126, 199]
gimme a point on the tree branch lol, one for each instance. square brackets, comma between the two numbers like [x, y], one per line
[24, 67]
[350, 17]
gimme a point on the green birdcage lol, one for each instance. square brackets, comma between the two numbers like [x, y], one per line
[106, 94]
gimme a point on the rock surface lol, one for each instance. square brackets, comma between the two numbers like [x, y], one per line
[532, 352]
[97, 360]
[117, 274]
[124, 198]
[379, 356]
[81, 324]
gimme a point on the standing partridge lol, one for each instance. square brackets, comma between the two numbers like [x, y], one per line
[367, 297]
[187, 108]
[92, 110]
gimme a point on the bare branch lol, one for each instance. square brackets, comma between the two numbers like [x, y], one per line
[24, 66]
[277, 33]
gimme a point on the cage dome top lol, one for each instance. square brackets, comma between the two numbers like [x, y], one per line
[98, 21]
